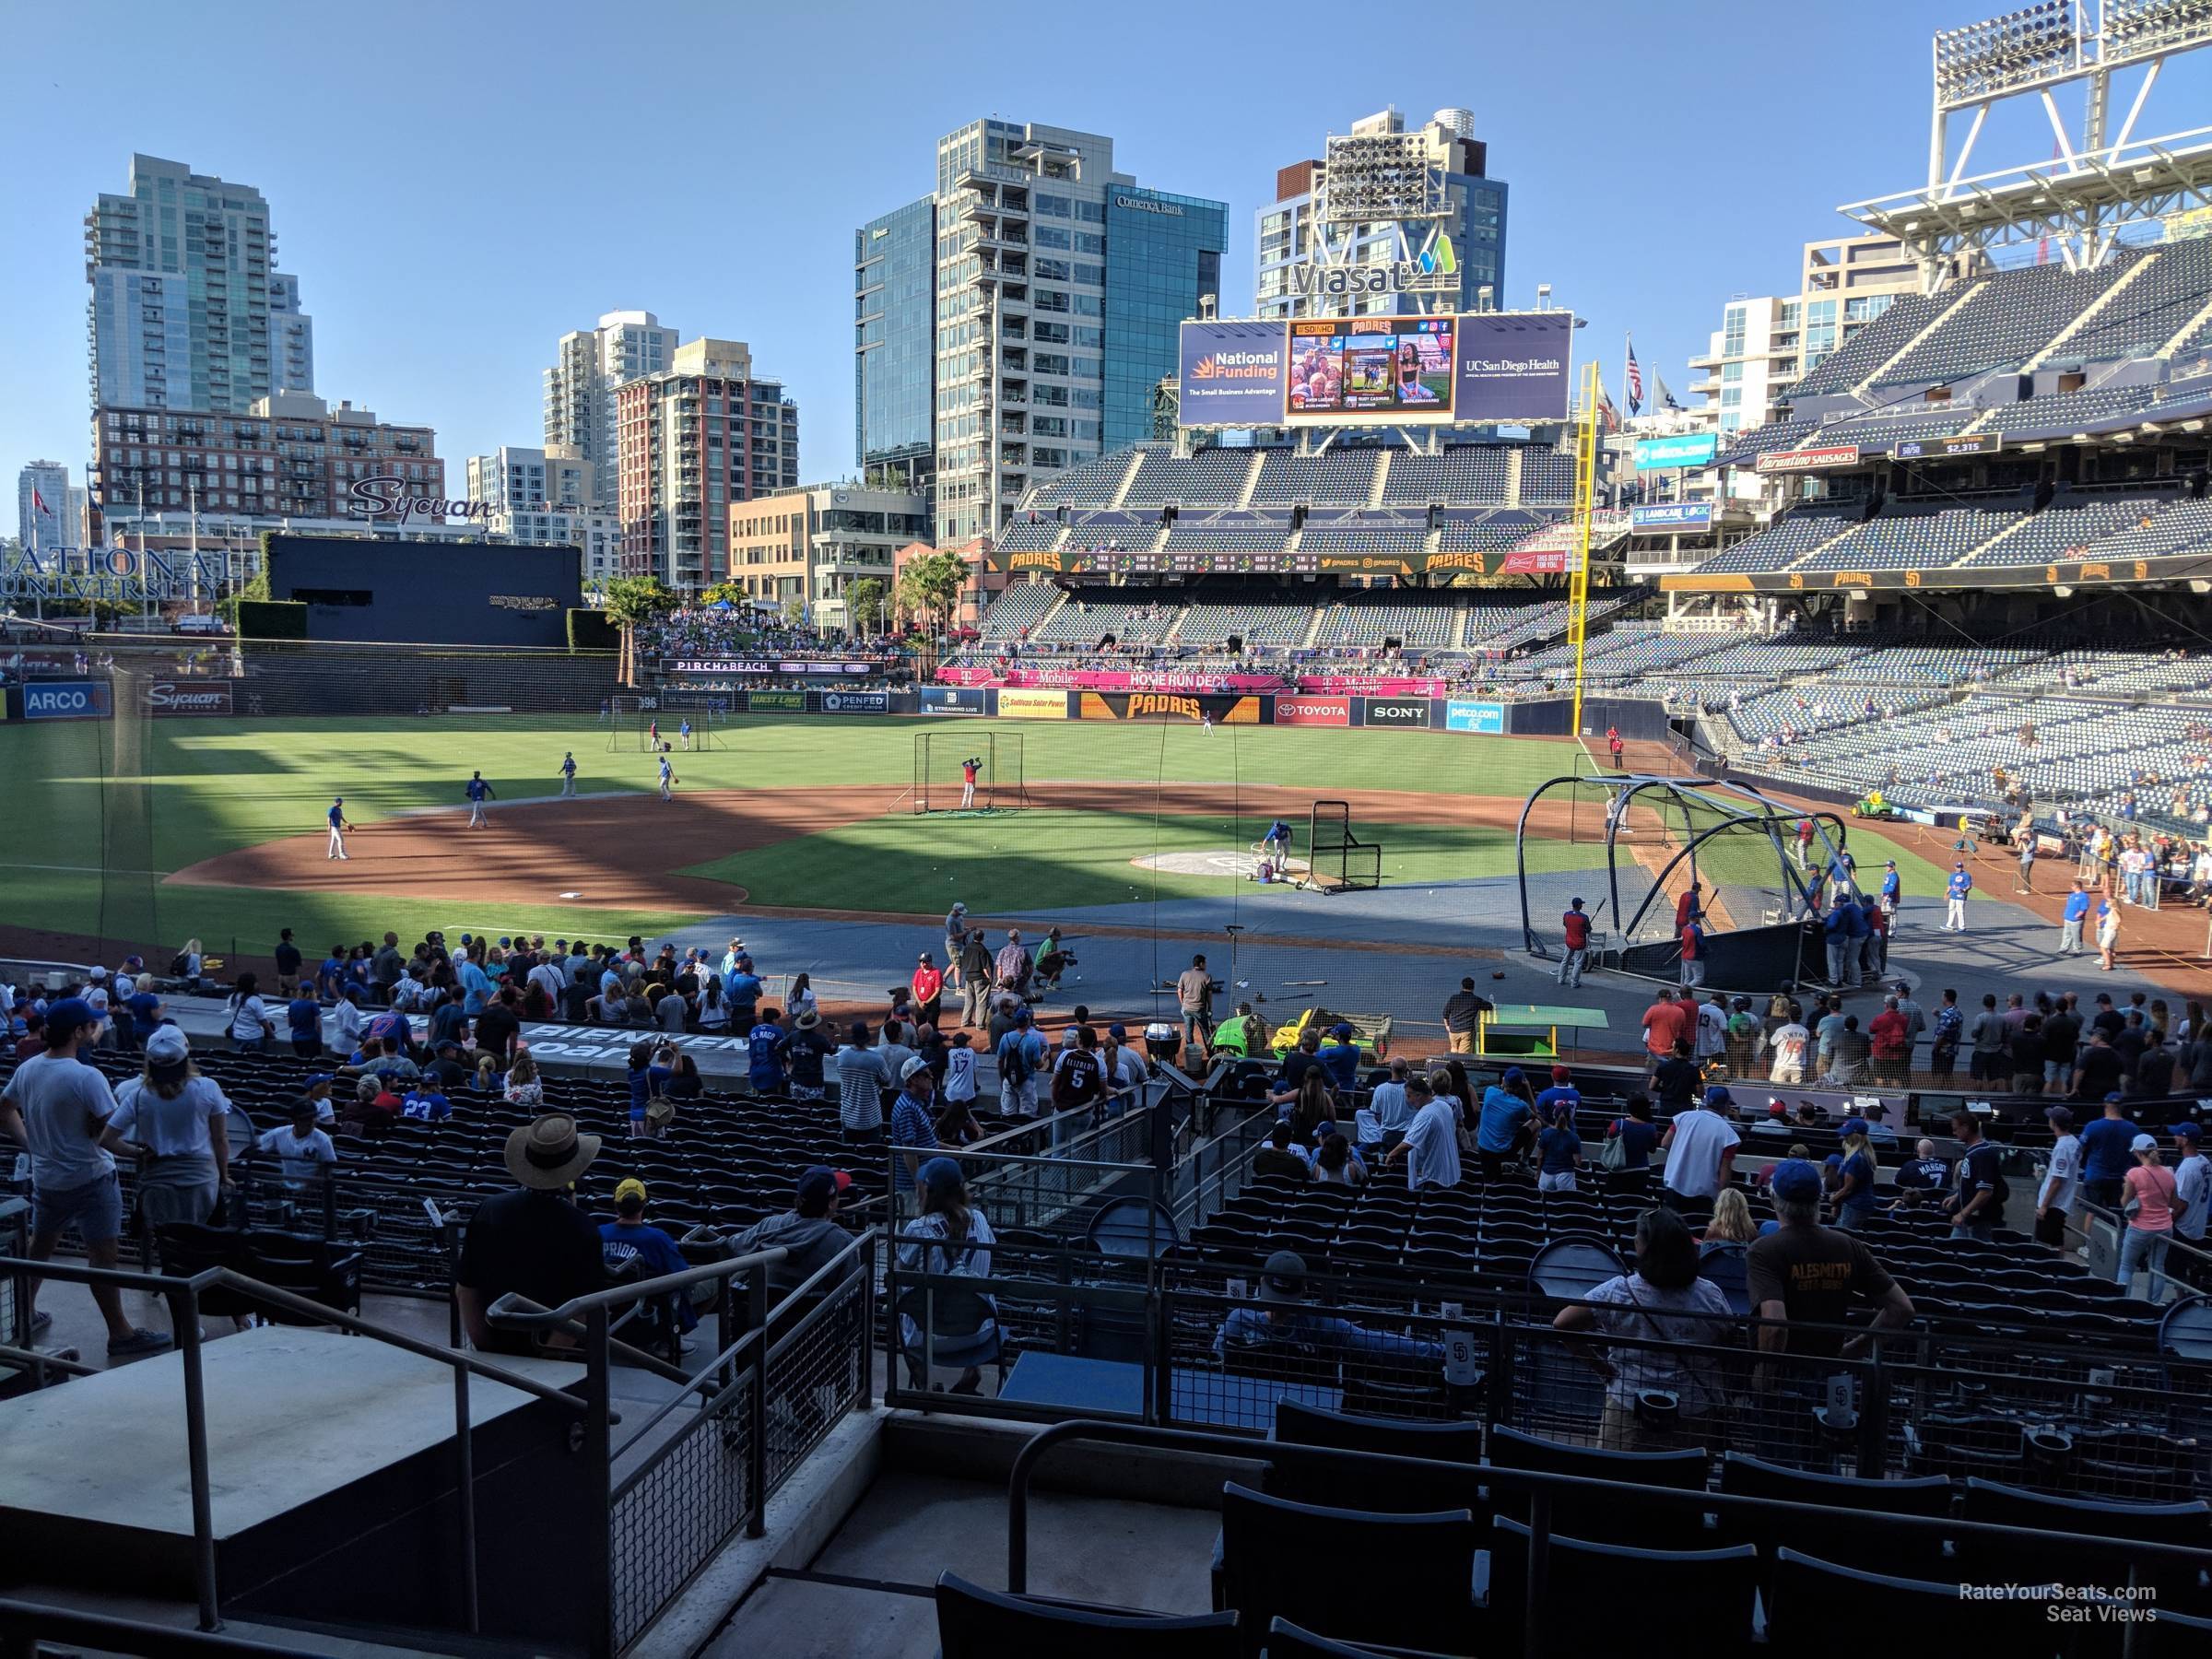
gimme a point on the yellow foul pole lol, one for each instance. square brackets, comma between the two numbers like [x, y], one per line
[1585, 507]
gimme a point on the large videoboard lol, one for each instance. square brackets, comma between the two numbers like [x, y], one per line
[1504, 368]
[1365, 370]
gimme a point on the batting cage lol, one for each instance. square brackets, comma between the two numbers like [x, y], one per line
[1677, 848]
[962, 771]
[642, 723]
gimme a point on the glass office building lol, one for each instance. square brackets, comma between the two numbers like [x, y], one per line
[1163, 262]
[894, 263]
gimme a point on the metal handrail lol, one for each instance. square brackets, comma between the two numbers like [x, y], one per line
[530, 1317]
[105, 1633]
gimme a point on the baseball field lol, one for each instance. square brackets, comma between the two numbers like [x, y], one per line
[214, 828]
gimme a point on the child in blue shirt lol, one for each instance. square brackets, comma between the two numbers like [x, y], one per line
[1559, 1149]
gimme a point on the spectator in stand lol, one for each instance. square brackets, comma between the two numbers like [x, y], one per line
[1732, 1222]
[177, 1118]
[1790, 1043]
[1709, 1039]
[2028, 1059]
[2151, 1204]
[1463, 1014]
[523, 1087]
[1854, 1192]
[1663, 1301]
[806, 1049]
[1676, 1080]
[1978, 1203]
[1021, 1056]
[861, 1082]
[1559, 1151]
[2193, 1191]
[2097, 1068]
[1281, 1323]
[914, 1128]
[1339, 1058]
[498, 1025]
[975, 979]
[145, 1010]
[61, 1110]
[535, 1241]
[1801, 1277]
[1503, 1128]
[1636, 1132]
[1430, 1148]
[808, 1233]
[628, 1238]
[1279, 1154]
[1949, 1028]
[1701, 1147]
[1890, 1045]
[2062, 1179]
[247, 1017]
[288, 965]
[1850, 1057]
[1920, 1177]
[764, 1068]
[951, 1238]
[1666, 1023]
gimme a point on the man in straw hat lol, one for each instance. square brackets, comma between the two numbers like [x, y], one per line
[534, 1240]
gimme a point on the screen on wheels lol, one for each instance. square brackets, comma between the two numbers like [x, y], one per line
[1364, 369]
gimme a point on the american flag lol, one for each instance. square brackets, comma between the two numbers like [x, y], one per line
[1635, 381]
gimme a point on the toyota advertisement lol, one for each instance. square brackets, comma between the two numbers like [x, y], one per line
[1233, 374]
[1313, 711]
[1368, 370]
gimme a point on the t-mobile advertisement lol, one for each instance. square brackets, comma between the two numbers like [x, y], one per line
[1513, 366]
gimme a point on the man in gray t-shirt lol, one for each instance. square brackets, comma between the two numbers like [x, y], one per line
[59, 1110]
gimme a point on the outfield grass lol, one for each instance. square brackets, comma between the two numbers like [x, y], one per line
[1043, 860]
[214, 786]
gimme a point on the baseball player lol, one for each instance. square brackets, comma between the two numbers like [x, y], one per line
[478, 792]
[668, 779]
[1206, 722]
[652, 735]
[567, 774]
[338, 825]
[968, 783]
[1954, 895]
[684, 732]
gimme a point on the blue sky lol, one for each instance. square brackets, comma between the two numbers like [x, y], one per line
[457, 186]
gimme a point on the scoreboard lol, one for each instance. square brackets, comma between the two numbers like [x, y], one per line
[1114, 561]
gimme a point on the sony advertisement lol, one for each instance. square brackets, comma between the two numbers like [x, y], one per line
[1401, 712]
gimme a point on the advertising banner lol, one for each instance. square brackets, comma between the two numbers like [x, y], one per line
[1169, 705]
[750, 666]
[954, 699]
[776, 702]
[1018, 704]
[1233, 374]
[1313, 711]
[1676, 450]
[1365, 370]
[1672, 516]
[1474, 717]
[1395, 712]
[67, 699]
[1808, 459]
[1936, 449]
[189, 697]
[1536, 561]
[1514, 366]
[851, 702]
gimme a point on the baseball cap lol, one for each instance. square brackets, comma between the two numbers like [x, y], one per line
[2059, 1115]
[915, 1065]
[1559, 1074]
[1117, 1030]
[939, 1175]
[315, 1078]
[1718, 1096]
[1512, 1075]
[67, 1015]
[2115, 1098]
[1851, 1126]
[1795, 1180]
[1340, 1030]
[168, 1046]
[818, 1183]
[99, 973]
[1890, 864]
[631, 1188]
[2144, 1142]
[1283, 1276]
[2188, 1132]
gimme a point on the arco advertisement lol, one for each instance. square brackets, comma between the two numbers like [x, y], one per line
[67, 699]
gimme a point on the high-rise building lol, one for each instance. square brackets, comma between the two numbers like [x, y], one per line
[291, 338]
[510, 478]
[809, 544]
[183, 266]
[701, 434]
[589, 363]
[895, 343]
[43, 518]
[1290, 235]
[1770, 342]
[291, 455]
[1056, 283]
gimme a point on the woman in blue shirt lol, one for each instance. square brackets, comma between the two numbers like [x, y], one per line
[1560, 1150]
[1853, 1188]
[1636, 1133]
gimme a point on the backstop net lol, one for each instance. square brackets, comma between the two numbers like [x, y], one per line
[640, 723]
[956, 770]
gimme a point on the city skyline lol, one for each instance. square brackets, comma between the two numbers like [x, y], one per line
[1670, 196]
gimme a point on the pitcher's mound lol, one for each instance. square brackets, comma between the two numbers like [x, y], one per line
[1242, 866]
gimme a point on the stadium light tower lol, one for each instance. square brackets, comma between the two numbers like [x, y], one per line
[2100, 182]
